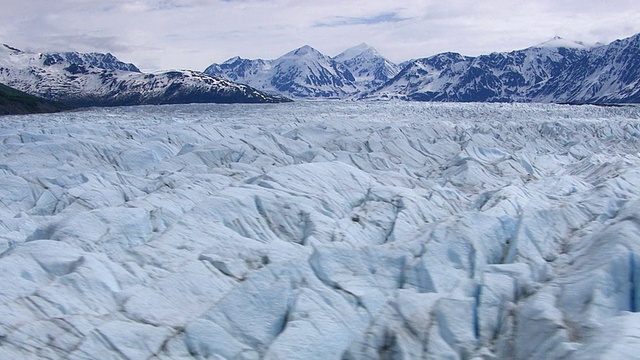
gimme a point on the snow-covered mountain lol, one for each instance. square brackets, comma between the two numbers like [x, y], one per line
[369, 68]
[607, 74]
[102, 80]
[307, 73]
[555, 71]
[558, 70]
[11, 57]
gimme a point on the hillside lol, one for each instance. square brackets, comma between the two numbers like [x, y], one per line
[13, 102]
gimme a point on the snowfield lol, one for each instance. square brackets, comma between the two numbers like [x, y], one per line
[321, 230]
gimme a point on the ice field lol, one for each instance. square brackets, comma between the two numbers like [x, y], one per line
[321, 230]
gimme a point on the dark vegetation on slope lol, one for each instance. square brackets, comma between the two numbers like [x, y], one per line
[14, 102]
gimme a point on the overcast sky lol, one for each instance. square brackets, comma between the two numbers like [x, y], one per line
[191, 34]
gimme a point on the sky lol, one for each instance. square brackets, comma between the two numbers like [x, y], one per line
[192, 34]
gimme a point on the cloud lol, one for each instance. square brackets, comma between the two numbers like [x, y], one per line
[157, 34]
[96, 43]
[386, 17]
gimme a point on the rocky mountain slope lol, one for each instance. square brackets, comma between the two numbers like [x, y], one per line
[13, 102]
[102, 80]
[556, 71]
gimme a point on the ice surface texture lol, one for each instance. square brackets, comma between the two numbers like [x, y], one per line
[321, 231]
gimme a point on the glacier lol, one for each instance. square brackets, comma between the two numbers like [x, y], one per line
[321, 230]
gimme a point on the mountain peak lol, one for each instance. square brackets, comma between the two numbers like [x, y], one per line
[232, 60]
[560, 42]
[305, 72]
[360, 48]
[356, 51]
[304, 53]
[305, 50]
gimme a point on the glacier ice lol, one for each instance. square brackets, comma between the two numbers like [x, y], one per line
[320, 230]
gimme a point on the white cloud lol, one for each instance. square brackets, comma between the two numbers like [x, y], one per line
[194, 33]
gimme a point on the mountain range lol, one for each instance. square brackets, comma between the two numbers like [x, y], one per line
[95, 79]
[307, 73]
[558, 70]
